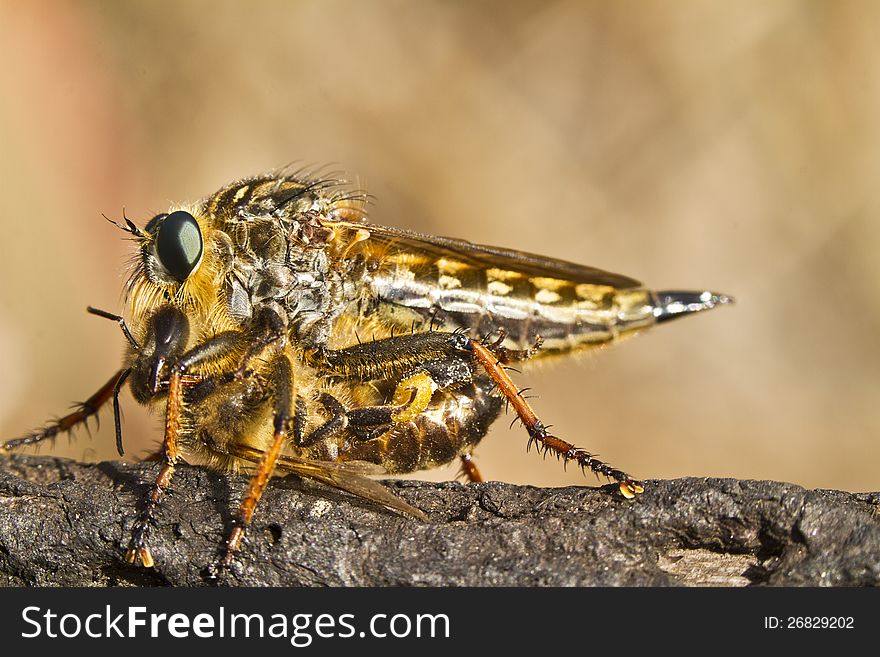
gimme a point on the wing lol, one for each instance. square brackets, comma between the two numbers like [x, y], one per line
[485, 257]
[349, 476]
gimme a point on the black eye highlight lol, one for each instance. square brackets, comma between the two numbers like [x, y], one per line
[178, 244]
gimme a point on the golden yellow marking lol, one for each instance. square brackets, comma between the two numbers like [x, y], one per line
[414, 393]
[448, 282]
[495, 274]
[447, 266]
[594, 297]
[266, 188]
[547, 296]
[590, 291]
[498, 288]
[551, 284]
[240, 193]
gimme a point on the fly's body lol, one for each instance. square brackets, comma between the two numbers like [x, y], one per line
[279, 329]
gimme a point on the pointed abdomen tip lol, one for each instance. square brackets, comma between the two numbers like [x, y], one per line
[670, 304]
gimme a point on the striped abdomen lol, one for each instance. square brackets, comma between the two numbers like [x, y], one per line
[452, 425]
[564, 313]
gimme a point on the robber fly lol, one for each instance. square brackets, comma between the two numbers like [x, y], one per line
[280, 331]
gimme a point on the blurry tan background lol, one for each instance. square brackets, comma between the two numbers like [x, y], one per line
[731, 146]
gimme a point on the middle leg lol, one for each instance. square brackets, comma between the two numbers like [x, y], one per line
[281, 376]
[451, 358]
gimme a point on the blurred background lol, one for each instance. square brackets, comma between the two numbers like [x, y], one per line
[690, 144]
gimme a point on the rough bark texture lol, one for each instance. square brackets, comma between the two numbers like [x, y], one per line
[67, 523]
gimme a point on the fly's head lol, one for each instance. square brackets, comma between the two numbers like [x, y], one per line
[180, 260]
[176, 271]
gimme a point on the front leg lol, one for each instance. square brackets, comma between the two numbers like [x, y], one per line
[216, 348]
[89, 407]
[83, 412]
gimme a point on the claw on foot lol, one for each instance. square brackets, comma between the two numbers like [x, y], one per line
[142, 555]
[629, 488]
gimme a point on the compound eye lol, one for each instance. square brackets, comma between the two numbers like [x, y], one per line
[179, 244]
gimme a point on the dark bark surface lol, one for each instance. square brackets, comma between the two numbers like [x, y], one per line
[67, 523]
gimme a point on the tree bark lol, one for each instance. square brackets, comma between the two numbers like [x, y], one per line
[64, 523]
